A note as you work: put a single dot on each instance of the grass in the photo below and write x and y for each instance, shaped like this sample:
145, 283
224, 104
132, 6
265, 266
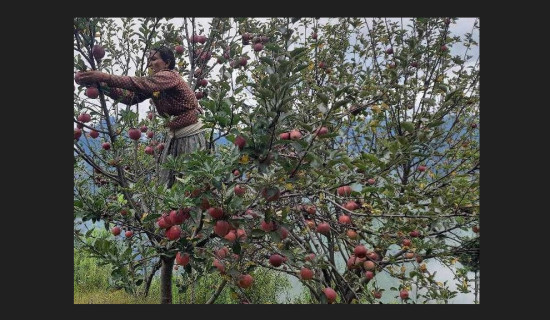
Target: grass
112, 297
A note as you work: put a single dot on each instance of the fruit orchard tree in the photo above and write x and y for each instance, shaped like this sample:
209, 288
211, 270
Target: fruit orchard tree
338, 149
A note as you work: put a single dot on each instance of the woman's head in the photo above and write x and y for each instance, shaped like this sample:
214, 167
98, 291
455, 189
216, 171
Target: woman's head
161, 58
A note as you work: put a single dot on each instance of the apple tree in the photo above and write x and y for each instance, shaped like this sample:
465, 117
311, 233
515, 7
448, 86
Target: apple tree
338, 149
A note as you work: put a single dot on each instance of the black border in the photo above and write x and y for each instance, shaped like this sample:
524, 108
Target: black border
56, 114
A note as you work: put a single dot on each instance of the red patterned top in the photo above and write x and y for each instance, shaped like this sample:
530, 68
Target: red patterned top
171, 95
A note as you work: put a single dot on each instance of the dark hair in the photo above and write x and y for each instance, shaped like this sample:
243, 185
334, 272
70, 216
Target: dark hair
166, 54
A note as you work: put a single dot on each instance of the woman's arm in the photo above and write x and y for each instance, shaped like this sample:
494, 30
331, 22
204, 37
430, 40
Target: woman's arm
159, 81
123, 96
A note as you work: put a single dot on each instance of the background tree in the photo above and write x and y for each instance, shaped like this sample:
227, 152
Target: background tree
353, 150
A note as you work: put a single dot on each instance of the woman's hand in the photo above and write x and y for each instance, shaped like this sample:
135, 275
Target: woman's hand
90, 77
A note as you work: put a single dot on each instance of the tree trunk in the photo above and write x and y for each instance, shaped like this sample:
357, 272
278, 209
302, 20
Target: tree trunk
166, 279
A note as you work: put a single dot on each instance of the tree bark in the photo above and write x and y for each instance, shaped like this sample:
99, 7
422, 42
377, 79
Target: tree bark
166, 279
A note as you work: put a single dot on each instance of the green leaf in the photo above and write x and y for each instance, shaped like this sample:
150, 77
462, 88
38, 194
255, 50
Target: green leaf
236, 247
300, 68
323, 97
408, 126
265, 93
267, 60
151, 216
257, 233
297, 51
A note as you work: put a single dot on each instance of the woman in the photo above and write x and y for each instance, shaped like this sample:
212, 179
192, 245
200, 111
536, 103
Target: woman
171, 96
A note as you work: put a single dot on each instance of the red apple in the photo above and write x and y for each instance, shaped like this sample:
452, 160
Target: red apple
222, 252
360, 251
389, 50
314, 36
243, 61
221, 268
179, 49
352, 234
409, 255
239, 190
221, 228
306, 274
134, 134
414, 64
330, 294
310, 209
179, 216
351, 205
94, 134
285, 136
473, 125
295, 135
149, 150
240, 142
407, 242
354, 262
275, 260
197, 73
143, 128
371, 181
204, 204
267, 227
421, 168
115, 230
98, 52
77, 133
245, 281
310, 223
369, 275
150, 115
182, 258
106, 145
344, 219
241, 234
173, 233
150, 134
84, 117
414, 233
373, 256
203, 82
199, 95
321, 131
369, 265
160, 147
129, 234
475, 229
444, 48
123, 212
377, 294
310, 256
215, 212
231, 236
258, 47
283, 233
92, 92
323, 228
404, 294
344, 191
322, 65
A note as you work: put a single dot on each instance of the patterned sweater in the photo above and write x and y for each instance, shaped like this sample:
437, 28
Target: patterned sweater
171, 95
